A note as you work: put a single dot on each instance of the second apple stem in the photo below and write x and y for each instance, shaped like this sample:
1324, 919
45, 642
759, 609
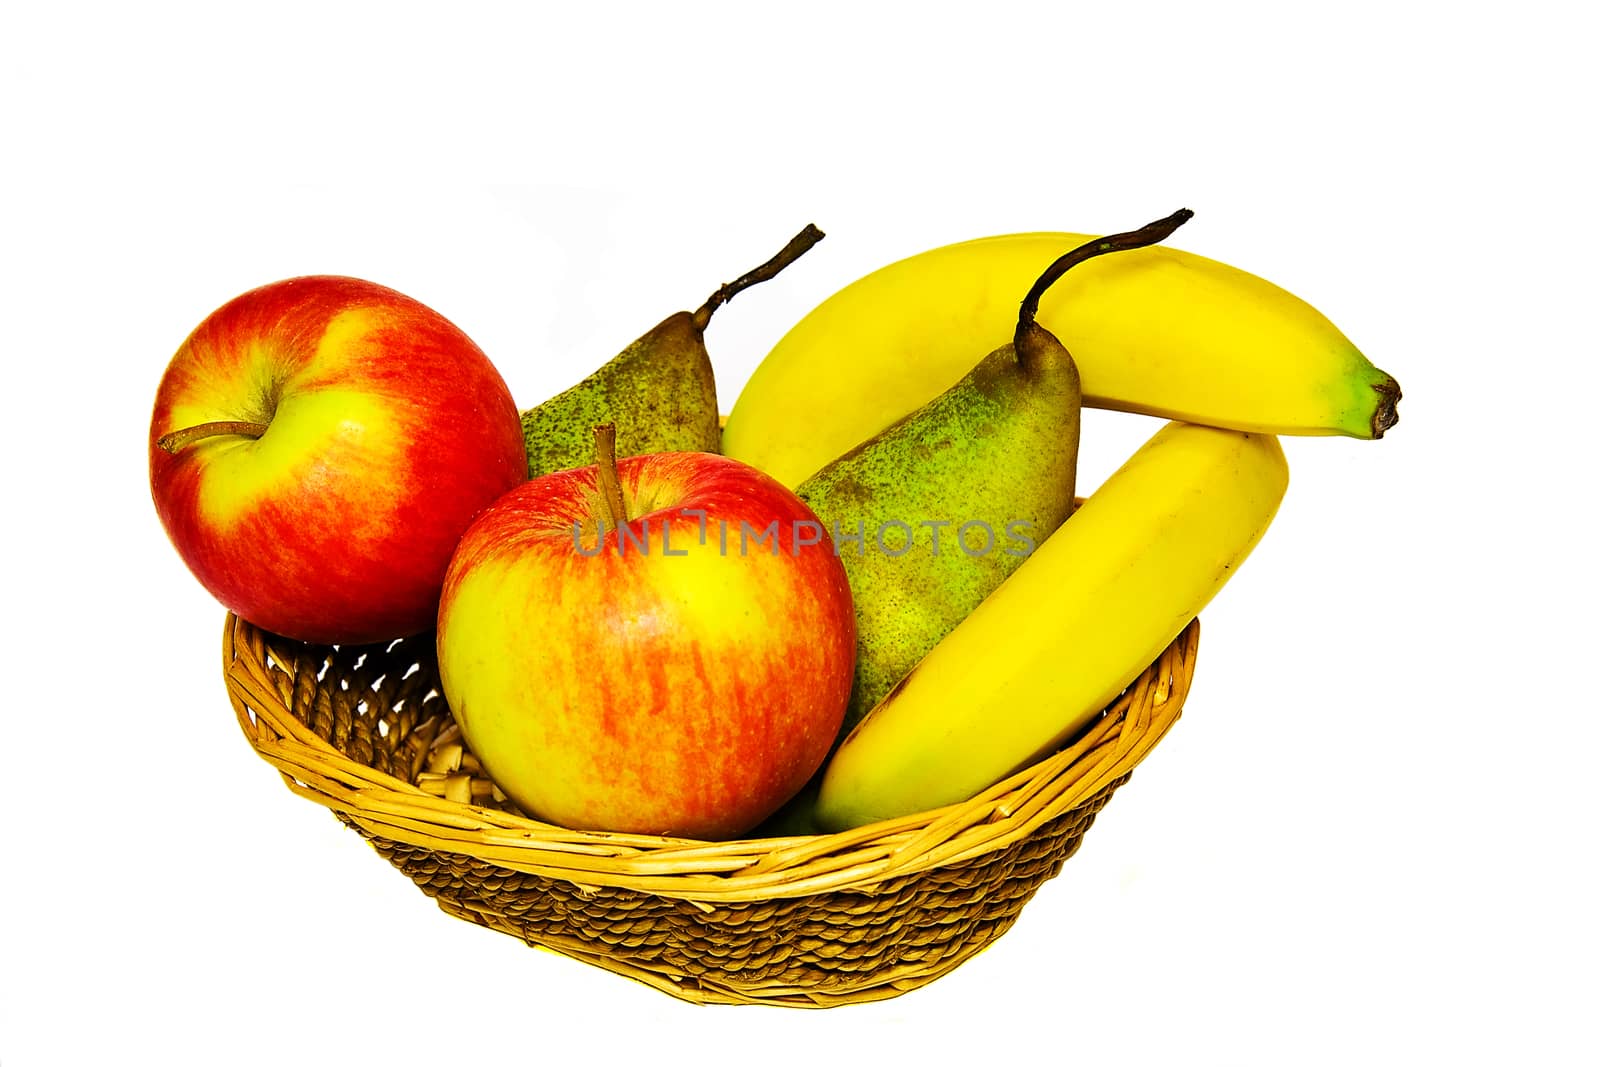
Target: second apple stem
605, 446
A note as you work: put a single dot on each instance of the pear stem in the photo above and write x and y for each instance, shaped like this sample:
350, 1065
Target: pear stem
798, 246
1155, 232
605, 447
187, 436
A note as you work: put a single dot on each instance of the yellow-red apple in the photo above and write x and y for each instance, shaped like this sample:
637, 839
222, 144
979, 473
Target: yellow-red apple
317, 447
680, 672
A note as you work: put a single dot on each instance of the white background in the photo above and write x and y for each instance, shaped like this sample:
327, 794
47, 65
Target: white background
1369, 839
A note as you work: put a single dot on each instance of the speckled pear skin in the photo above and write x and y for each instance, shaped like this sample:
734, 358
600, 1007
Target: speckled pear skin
998, 450
660, 393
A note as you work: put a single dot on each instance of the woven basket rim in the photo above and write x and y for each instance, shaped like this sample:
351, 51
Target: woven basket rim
704, 873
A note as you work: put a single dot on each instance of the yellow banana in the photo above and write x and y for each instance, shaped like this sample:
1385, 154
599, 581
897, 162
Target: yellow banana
1091, 608
1155, 330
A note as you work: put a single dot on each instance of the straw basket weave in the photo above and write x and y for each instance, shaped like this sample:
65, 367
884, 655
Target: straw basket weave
805, 921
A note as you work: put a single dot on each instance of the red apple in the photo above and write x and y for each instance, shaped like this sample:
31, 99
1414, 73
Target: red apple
317, 447
684, 674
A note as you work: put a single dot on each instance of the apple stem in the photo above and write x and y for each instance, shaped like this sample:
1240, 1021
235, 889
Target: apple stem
798, 246
189, 435
605, 446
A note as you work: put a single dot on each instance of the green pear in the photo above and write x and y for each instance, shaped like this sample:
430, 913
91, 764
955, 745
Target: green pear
932, 514
660, 391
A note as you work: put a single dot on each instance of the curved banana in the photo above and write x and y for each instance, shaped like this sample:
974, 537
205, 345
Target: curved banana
1155, 330
1082, 616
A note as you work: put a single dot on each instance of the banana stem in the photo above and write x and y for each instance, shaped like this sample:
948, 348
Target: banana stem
1155, 232
605, 446
798, 246
187, 436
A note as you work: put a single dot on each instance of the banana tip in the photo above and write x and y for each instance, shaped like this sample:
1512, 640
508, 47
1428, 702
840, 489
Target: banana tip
1386, 415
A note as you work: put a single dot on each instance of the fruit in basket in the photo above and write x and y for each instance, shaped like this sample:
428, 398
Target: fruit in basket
933, 513
662, 644
317, 447
1157, 331
1080, 619
660, 392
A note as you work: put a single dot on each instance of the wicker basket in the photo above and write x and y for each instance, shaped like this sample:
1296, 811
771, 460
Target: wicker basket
804, 921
